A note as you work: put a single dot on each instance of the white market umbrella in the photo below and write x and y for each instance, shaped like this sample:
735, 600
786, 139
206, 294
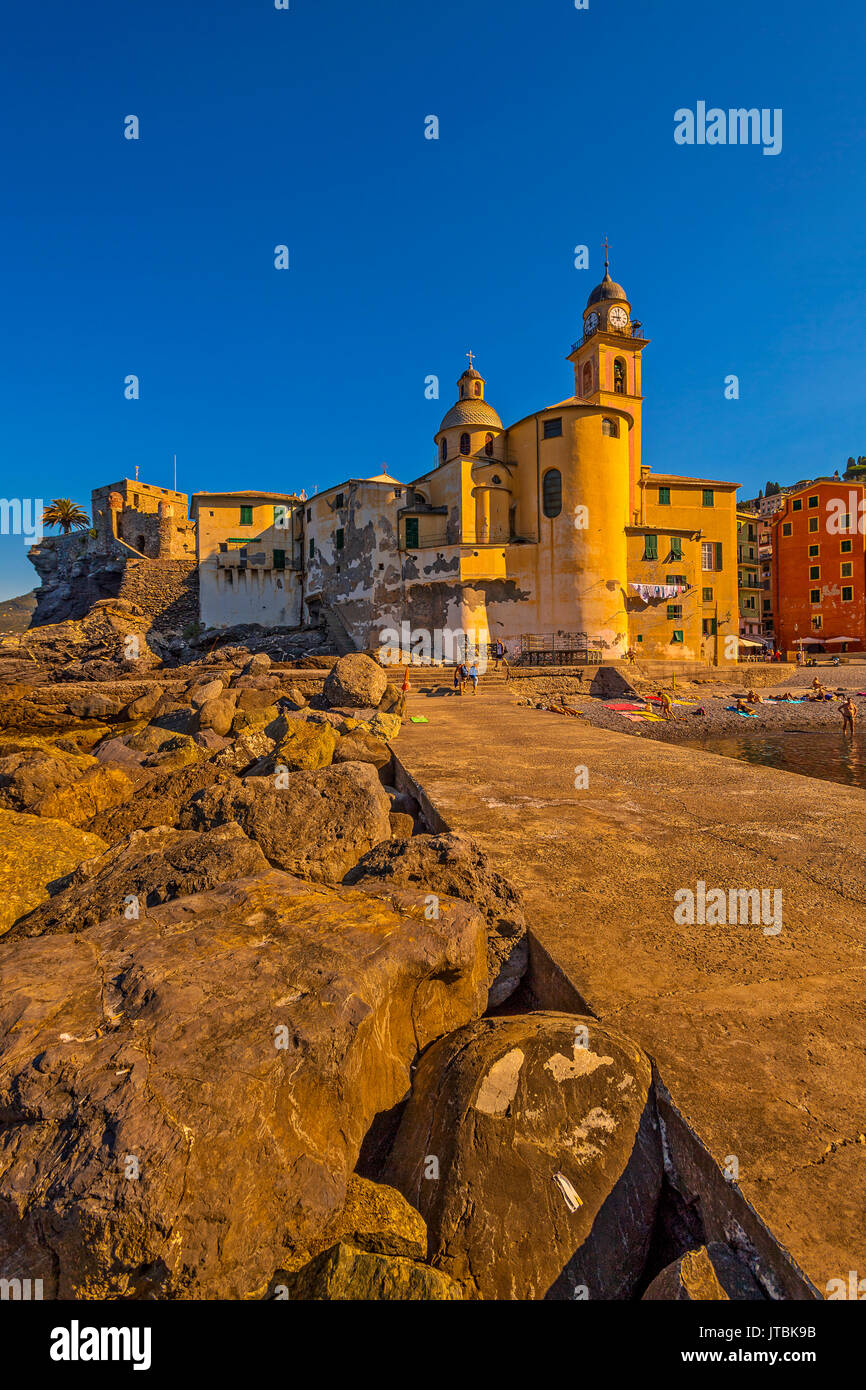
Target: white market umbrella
828, 640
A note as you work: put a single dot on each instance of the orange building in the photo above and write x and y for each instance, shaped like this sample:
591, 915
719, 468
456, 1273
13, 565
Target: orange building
819, 567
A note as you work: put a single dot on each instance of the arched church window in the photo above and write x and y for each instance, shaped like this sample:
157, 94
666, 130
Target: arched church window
443, 450
619, 377
464, 444
488, 446
610, 427
478, 388
551, 492
587, 379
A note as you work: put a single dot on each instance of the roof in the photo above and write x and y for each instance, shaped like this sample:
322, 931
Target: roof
265, 496
680, 479
608, 289
474, 411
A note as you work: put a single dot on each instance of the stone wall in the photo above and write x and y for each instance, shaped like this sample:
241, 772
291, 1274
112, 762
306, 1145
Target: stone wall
167, 590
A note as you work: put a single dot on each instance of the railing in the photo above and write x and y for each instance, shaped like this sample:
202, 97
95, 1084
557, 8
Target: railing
428, 540
560, 649
631, 330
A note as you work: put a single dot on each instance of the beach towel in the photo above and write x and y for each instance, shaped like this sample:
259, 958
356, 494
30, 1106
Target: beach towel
621, 705
419, 719
657, 717
746, 713
626, 714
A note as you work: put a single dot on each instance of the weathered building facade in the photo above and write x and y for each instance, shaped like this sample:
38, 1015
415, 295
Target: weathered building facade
249, 548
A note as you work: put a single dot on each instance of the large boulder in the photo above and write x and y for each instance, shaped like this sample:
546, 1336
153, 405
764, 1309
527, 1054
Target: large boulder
347, 1273
145, 704
34, 854
301, 746
28, 776
355, 680
457, 866
531, 1147
201, 694
359, 746
709, 1273
185, 1095
100, 789
147, 868
157, 801
313, 824
218, 713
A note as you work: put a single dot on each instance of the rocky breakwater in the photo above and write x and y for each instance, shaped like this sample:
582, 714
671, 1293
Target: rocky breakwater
246, 1048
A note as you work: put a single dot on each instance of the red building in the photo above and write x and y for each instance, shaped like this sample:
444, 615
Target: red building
819, 566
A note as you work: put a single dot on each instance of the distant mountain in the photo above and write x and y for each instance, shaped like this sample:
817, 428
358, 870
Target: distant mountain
15, 613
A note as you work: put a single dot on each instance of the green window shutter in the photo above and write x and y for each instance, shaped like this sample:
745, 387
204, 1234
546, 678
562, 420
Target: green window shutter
279, 559
312, 548
246, 516
676, 547
340, 537
677, 637
651, 547
411, 532
707, 499
664, 497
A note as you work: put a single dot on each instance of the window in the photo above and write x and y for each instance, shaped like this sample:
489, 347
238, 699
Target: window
797, 504
651, 547
610, 427
818, 622
813, 523
664, 497
279, 559
619, 376
675, 611
587, 379
478, 388
135, 499
338, 500
443, 450
814, 550
813, 502
707, 595
552, 428
709, 627
750, 602
488, 445
640, 637
551, 492
676, 636
846, 547
247, 515
711, 555
787, 528
312, 548
676, 547
340, 537
411, 532
309, 514
707, 497
814, 595
814, 571
675, 579
464, 443
847, 570
847, 593
766, 605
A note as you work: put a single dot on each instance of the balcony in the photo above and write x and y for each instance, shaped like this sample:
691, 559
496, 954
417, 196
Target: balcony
631, 330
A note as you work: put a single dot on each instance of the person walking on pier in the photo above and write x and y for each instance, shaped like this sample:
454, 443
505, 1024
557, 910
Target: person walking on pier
461, 675
473, 676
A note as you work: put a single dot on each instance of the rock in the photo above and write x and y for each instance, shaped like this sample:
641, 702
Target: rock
711, 1272
318, 826
26, 778
157, 801
176, 750
385, 725
217, 714
34, 854
346, 1272
149, 866
402, 826
238, 1045
100, 789
457, 866
253, 700
549, 1156
392, 701
201, 694
145, 705
355, 680
258, 665
302, 746
245, 752
373, 1217
254, 718
358, 746
295, 697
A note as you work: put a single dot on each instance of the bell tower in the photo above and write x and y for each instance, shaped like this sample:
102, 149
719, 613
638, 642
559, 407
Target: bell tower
607, 359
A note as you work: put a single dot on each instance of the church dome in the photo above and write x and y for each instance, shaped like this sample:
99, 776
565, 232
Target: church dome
608, 289
471, 412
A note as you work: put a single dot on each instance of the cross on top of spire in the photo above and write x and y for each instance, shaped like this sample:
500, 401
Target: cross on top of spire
605, 246
471, 355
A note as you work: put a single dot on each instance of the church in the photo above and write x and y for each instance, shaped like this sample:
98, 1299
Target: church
550, 527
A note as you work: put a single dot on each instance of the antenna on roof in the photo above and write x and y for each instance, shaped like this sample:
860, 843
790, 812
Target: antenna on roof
175, 472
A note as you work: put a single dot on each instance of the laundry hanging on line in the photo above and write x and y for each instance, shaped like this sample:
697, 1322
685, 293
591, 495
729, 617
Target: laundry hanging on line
648, 591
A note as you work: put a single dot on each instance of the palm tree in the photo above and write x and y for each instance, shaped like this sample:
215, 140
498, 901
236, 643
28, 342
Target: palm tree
66, 514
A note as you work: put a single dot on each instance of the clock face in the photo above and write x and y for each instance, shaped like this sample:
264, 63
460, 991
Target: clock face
618, 317
591, 323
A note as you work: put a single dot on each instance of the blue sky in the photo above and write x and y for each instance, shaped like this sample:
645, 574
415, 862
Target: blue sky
306, 127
